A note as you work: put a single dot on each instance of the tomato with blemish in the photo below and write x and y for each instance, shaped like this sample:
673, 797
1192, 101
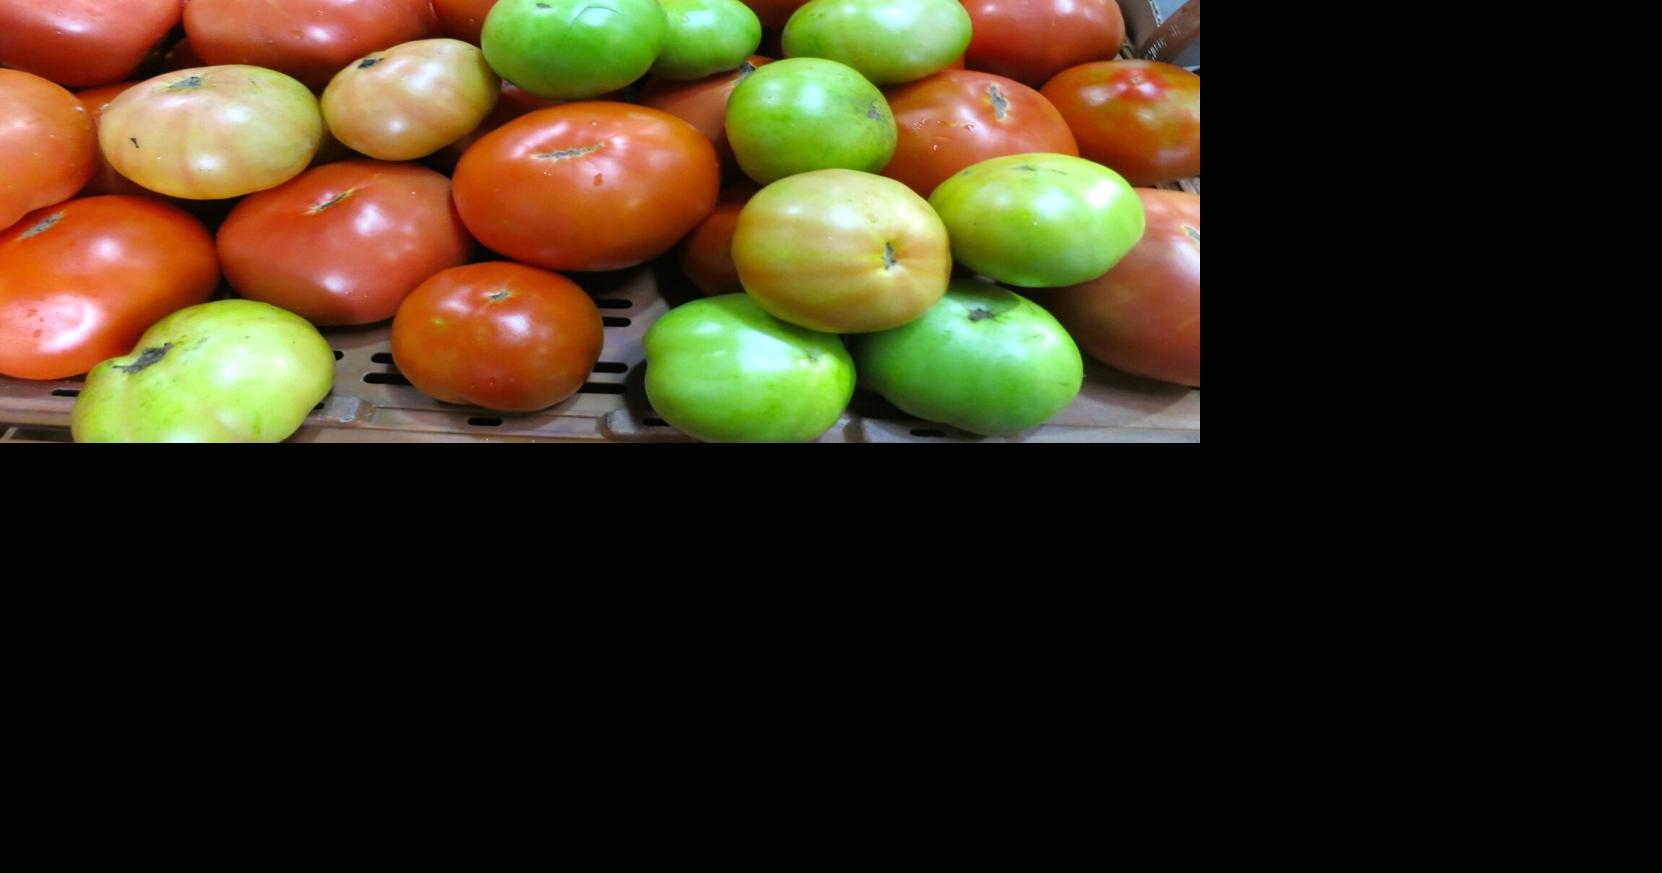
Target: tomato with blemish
503, 336
344, 243
83, 43
48, 145
81, 281
588, 186
957, 118
1032, 40
1139, 118
311, 40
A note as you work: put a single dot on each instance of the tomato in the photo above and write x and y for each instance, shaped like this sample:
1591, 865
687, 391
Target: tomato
1039, 220
83, 43
182, 56
774, 13
514, 102
1144, 315
588, 186
212, 133
706, 37
81, 281
842, 251
1032, 40
707, 253
345, 243
804, 114
48, 141
463, 19
1141, 118
574, 49
411, 100
311, 40
888, 41
503, 336
956, 118
703, 104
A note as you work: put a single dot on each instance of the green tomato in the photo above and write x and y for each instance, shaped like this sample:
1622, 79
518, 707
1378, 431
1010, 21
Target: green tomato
984, 360
1039, 220
232, 371
722, 370
573, 49
888, 41
706, 37
806, 114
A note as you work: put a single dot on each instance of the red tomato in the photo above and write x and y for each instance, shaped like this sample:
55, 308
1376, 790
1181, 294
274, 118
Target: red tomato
588, 186
956, 118
774, 13
503, 336
311, 40
83, 43
81, 281
703, 104
48, 141
182, 56
1144, 315
463, 19
1032, 40
1139, 118
344, 243
707, 253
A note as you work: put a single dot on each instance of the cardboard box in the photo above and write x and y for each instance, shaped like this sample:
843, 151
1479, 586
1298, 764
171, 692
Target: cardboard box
1164, 30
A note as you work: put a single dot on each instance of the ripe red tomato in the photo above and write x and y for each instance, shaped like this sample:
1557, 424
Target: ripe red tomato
48, 141
1138, 118
311, 40
503, 336
956, 118
588, 186
1144, 315
463, 19
83, 43
81, 281
344, 243
703, 104
1032, 40
707, 252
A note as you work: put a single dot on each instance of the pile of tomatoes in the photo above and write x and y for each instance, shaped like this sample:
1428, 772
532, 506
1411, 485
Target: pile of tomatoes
856, 185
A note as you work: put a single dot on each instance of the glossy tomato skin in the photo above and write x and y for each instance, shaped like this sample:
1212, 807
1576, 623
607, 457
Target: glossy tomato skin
1139, 118
106, 181
344, 243
463, 19
83, 43
574, 49
81, 281
887, 41
1144, 315
212, 133
587, 186
842, 251
503, 336
1032, 40
311, 40
703, 104
48, 141
707, 253
957, 118
804, 114
411, 100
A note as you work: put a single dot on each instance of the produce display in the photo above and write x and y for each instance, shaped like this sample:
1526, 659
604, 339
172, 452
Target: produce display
198, 194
